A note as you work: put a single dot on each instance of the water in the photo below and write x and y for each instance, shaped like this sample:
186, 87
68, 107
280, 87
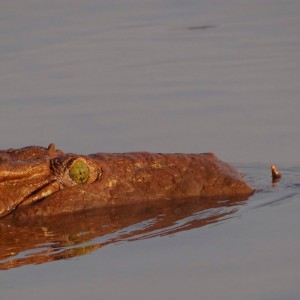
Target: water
167, 76
96, 76
214, 249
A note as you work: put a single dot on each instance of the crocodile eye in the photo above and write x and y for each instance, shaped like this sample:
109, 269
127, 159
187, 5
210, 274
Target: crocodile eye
79, 171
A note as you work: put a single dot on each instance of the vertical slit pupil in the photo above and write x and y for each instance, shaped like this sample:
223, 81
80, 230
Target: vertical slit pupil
79, 172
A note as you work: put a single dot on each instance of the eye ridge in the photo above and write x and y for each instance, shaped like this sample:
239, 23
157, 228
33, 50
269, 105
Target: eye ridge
70, 171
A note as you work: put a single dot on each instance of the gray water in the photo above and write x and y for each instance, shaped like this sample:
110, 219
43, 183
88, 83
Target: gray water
166, 76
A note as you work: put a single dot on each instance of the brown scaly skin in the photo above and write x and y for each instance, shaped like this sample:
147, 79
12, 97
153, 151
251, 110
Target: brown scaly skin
52, 182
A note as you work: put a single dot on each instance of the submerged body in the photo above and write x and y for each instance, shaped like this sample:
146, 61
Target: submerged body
52, 182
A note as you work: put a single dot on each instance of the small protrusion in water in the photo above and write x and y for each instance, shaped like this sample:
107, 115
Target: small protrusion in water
276, 175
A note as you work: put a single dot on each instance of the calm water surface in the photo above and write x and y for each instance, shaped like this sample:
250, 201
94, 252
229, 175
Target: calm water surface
189, 249
167, 76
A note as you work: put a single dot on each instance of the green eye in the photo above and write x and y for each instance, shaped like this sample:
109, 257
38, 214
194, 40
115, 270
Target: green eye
79, 172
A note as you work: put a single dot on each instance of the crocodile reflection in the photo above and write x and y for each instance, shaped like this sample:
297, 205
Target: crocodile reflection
26, 241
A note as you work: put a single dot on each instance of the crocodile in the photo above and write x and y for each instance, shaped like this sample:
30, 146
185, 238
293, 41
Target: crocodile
51, 182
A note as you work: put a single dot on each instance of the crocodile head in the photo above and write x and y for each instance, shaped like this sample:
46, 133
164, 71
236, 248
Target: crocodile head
68, 182
33, 173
